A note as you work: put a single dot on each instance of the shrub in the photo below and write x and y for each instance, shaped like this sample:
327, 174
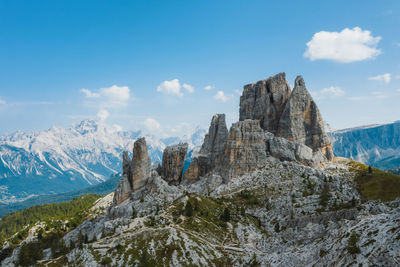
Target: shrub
188, 209
352, 246
226, 215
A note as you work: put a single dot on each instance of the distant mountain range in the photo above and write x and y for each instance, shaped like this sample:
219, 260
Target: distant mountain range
60, 160
377, 145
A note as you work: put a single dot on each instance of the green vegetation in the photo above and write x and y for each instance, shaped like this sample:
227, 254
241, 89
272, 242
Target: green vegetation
352, 246
53, 214
376, 184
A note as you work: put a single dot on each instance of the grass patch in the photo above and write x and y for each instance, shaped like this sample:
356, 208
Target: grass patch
378, 185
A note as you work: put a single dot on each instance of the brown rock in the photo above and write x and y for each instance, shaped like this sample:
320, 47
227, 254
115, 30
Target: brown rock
172, 163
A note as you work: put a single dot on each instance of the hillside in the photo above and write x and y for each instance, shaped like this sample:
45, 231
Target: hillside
99, 189
265, 192
374, 145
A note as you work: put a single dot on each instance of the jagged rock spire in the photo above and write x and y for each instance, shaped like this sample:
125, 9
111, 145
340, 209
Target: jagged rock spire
135, 172
301, 121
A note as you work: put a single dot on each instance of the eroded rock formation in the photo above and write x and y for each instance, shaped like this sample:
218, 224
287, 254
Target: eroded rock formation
213, 146
136, 172
172, 163
302, 123
291, 115
265, 101
245, 149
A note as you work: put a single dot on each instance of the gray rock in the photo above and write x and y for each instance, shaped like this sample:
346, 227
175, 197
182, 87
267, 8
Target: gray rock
304, 154
302, 123
123, 190
136, 172
282, 149
140, 168
215, 139
291, 115
245, 149
265, 101
172, 163
212, 148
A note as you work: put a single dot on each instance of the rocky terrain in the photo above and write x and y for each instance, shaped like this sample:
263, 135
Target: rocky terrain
256, 195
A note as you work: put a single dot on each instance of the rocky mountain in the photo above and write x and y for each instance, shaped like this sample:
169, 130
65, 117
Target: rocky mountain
375, 145
253, 198
61, 160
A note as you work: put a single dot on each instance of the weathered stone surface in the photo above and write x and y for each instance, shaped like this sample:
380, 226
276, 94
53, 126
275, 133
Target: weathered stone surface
215, 139
140, 168
136, 172
304, 154
302, 123
245, 149
123, 190
172, 163
212, 148
291, 115
282, 149
265, 101
199, 167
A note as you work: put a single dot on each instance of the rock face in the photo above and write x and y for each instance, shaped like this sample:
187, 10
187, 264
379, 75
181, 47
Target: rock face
265, 101
212, 148
172, 163
291, 115
136, 172
215, 139
245, 149
302, 123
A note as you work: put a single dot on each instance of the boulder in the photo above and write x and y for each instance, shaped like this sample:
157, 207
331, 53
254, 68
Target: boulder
172, 163
282, 149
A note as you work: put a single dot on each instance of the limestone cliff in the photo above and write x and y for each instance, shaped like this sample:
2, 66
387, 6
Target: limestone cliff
212, 148
172, 163
265, 101
301, 121
135, 172
292, 115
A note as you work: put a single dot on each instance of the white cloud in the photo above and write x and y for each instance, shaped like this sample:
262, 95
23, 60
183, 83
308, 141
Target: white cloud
103, 114
347, 46
172, 87
221, 96
116, 93
110, 96
238, 92
383, 77
2, 102
152, 124
398, 90
188, 87
329, 92
89, 94
208, 87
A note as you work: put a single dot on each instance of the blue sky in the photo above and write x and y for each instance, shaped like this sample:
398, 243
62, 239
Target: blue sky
146, 64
